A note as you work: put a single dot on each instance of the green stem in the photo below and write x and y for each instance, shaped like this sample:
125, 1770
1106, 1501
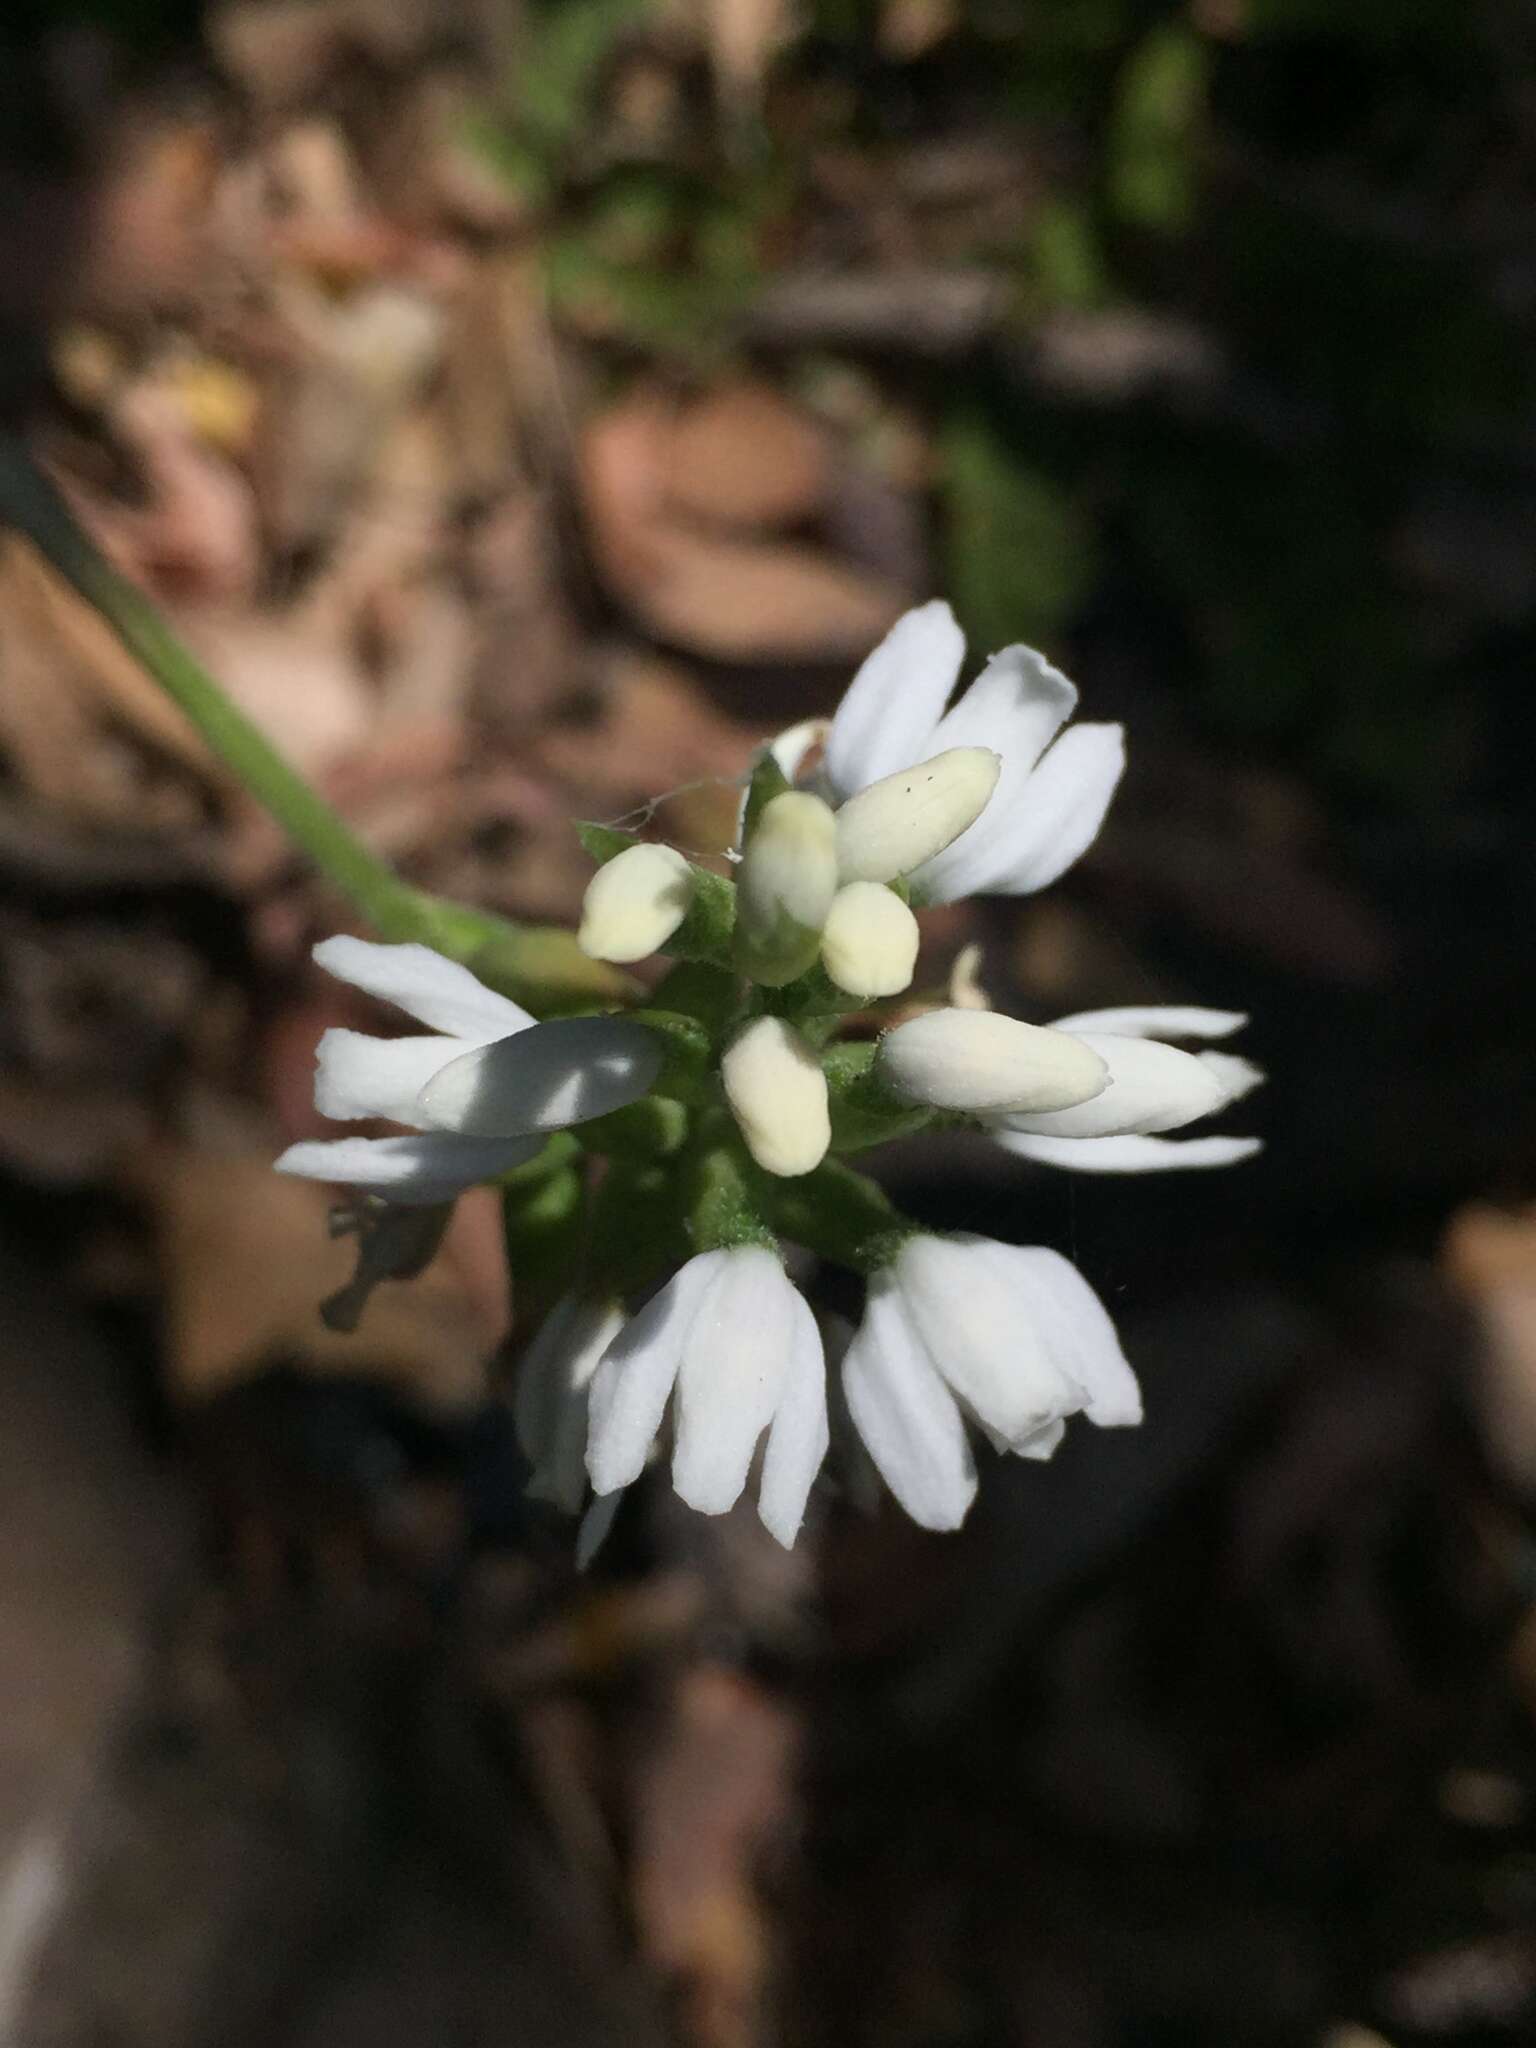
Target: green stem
540, 964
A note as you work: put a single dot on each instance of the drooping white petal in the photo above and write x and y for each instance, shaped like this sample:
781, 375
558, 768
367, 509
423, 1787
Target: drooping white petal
436, 992
636, 1374
1152, 1087
797, 1436
907, 1417
736, 1357
549, 1408
1029, 836
1078, 1333
1016, 705
980, 1061
555, 1074
1128, 1155
1156, 1020
426, 1166
894, 702
970, 1300
1043, 1444
357, 1075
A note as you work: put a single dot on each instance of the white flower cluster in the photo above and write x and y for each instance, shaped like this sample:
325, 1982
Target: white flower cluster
896, 803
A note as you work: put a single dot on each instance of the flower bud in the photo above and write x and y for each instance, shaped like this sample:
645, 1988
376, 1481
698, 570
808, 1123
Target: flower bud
896, 824
778, 1095
784, 887
979, 1061
635, 903
869, 941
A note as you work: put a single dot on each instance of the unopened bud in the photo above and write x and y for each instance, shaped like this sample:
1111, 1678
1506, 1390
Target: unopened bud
899, 822
635, 903
784, 887
979, 1061
869, 942
778, 1095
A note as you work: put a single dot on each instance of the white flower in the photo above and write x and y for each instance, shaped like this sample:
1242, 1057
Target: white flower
1152, 1087
1050, 799
778, 1096
550, 1404
961, 1329
634, 903
869, 942
978, 1061
479, 1093
734, 1347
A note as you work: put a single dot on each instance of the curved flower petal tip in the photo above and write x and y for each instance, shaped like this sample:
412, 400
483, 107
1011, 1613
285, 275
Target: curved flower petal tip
422, 1167
1156, 1020
564, 1072
360, 1076
435, 991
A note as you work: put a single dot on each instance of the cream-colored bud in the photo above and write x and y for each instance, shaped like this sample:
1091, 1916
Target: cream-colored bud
979, 1061
899, 822
869, 942
778, 1095
784, 887
635, 903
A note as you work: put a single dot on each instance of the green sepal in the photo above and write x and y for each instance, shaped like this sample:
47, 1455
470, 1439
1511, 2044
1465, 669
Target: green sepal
840, 1215
695, 989
864, 1110
655, 1127
768, 781
725, 1195
543, 1226
705, 933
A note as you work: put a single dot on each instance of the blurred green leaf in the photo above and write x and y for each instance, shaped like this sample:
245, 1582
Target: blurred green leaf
1152, 170
1019, 555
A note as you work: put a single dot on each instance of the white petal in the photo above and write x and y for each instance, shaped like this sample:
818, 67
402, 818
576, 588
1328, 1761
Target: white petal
426, 1166
736, 1357
1152, 1087
792, 746
1077, 1330
797, 1437
1023, 841
1128, 1155
1233, 1076
635, 1377
1043, 1444
908, 1418
892, 705
971, 1304
981, 1061
357, 1075
549, 1405
1016, 705
436, 992
1156, 1020
559, 1073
